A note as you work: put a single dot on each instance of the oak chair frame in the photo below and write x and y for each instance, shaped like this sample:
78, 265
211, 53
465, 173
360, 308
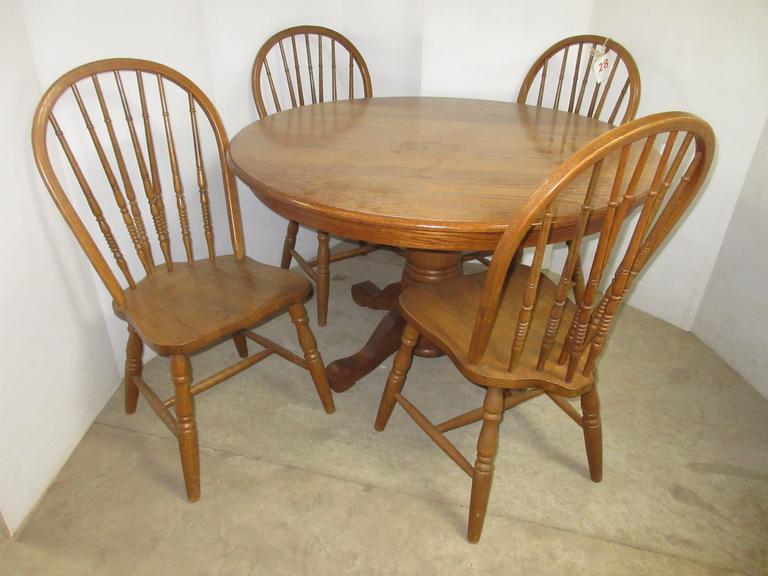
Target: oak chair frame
318, 268
514, 372
579, 82
126, 301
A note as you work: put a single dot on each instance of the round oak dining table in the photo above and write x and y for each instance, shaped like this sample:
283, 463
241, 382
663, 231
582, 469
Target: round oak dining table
433, 176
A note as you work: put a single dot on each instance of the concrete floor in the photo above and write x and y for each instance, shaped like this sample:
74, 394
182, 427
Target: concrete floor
288, 489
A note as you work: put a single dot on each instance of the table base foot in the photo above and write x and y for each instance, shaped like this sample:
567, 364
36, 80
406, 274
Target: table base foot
422, 267
368, 295
385, 340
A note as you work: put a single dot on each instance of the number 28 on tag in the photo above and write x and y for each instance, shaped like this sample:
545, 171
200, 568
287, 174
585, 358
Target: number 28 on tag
600, 63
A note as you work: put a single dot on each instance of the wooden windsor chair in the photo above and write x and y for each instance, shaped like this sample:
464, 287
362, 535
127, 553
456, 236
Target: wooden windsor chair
577, 91
294, 83
513, 328
182, 305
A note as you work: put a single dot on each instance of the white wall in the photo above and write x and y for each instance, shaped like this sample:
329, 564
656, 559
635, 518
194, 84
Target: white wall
733, 313
705, 58
484, 49
57, 366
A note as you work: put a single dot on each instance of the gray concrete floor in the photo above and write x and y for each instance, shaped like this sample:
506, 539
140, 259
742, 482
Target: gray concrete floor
288, 489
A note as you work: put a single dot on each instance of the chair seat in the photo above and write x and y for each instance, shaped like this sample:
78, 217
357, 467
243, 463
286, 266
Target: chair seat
445, 312
196, 305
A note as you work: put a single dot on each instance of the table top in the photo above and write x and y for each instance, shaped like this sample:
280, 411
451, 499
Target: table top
439, 173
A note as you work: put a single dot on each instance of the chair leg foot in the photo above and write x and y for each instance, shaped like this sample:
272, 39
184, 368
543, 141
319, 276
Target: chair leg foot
323, 277
241, 344
133, 366
593, 433
312, 356
397, 375
289, 244
186, 427
487, 445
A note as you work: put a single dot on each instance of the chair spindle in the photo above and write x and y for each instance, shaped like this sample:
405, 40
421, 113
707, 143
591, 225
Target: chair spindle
575, 83
351, 77
311, 69
297, 71
321, 80
202, 182
178, 187
275, 99
529, 296
541, 85
619, 102
593, 99
333, 67
563, 64
287, 74
584, 78
628, 198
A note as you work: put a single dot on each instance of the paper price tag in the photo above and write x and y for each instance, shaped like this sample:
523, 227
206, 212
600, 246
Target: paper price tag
601, 64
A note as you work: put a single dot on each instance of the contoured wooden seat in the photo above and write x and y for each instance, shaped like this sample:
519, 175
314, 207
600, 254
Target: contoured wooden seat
133, 137
451, 329
184, 311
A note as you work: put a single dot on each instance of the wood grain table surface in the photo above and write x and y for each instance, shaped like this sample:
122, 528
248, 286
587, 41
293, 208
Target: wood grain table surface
431, 175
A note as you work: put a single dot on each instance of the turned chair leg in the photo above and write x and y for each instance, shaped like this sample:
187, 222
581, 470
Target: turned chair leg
312, 356
186, 428
241, 344
487, 445
397, 375
133, 365
289, 244
323, 279
593, 433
